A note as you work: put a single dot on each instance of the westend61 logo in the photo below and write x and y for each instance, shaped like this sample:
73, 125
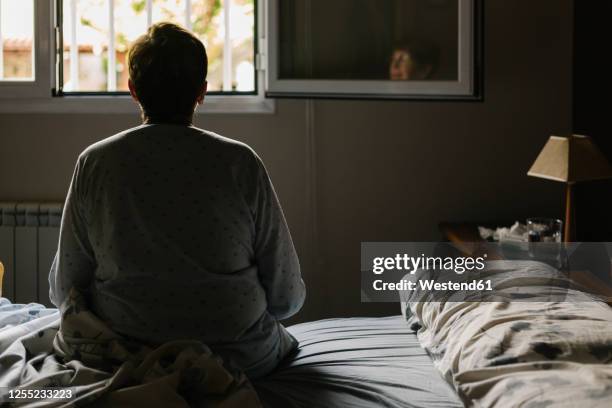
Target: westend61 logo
484, 271
391, 268
411, 264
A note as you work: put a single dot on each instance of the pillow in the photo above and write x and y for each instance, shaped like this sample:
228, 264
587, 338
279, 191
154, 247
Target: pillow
536, 349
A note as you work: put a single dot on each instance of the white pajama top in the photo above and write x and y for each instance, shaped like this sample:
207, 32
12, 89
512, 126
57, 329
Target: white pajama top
173, 232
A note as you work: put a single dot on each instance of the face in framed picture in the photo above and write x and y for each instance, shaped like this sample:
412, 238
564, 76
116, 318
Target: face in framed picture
416, 62
388, 49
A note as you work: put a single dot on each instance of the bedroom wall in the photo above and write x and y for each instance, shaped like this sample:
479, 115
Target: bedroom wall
592, 89
352, 171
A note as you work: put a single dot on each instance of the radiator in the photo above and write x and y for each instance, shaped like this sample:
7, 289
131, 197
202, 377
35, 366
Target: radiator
28, 241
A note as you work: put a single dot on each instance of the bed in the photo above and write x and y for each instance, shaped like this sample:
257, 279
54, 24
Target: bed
353, 362
357, 362
533, 352
539, 340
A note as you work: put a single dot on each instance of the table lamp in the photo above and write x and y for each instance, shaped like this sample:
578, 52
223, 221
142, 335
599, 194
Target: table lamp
570, 160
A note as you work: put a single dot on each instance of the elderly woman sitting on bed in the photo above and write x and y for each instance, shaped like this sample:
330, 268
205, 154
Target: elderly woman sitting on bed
173, 232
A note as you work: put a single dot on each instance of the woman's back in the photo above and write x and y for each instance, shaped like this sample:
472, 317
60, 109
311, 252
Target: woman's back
176, 233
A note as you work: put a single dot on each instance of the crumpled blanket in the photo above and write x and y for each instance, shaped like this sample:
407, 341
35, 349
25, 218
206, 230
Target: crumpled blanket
528, 353
105, 369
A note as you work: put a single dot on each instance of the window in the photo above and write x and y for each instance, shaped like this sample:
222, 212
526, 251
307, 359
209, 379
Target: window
70, 55
374, 48
23, 51
16, 40
96, 35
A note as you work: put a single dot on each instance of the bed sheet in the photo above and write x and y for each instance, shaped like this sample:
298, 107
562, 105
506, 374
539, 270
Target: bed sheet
347, 362
357, 362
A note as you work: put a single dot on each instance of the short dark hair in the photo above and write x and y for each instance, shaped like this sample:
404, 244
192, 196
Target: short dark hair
168, 67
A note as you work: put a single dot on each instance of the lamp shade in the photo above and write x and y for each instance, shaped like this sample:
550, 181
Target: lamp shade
571, 159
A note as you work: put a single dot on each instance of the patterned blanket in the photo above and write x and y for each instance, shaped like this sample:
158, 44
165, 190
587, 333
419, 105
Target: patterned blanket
525, 353
102, 369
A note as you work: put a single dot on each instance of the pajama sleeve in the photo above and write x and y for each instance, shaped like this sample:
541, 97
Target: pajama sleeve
74, 262
275, 255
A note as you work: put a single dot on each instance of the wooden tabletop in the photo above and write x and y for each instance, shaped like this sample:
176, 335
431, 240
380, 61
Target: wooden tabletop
466, 237
458, 232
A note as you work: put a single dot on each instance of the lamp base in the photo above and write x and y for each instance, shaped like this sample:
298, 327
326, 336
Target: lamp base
569, 229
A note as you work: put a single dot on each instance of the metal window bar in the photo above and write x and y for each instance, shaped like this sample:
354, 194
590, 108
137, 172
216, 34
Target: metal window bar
1, 48
227, 47
112, 56
149, 13
188, 14
74, 47
59, 48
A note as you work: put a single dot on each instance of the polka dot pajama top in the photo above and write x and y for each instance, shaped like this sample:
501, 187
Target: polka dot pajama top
174, 233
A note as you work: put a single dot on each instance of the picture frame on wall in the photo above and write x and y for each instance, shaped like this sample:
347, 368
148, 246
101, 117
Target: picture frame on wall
347, 49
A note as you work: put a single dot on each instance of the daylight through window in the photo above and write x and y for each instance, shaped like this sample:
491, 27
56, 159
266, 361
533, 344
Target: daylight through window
97, 35
16, 40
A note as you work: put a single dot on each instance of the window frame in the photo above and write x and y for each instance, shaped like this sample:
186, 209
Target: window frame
40, 85
40, 95
468, 86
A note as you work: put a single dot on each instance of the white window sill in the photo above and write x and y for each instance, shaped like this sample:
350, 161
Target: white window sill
125, 105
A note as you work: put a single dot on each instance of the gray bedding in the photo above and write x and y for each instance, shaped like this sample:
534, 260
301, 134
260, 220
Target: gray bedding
551, 347
357, 362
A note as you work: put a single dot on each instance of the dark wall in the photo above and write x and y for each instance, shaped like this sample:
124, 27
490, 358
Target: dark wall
592, 108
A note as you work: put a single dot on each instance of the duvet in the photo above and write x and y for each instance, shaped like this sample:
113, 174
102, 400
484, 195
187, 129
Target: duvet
96, 367
537, 352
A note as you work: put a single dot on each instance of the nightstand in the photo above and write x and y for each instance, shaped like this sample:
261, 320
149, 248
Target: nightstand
465, 235
466, 238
